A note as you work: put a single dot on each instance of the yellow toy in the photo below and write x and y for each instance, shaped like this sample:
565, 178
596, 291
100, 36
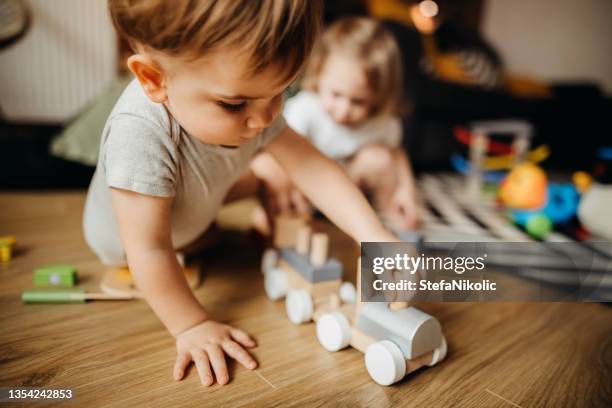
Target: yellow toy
6, 248
120, 282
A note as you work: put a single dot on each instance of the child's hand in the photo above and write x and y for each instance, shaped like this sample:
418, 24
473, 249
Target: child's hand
280, 198
206, 344
279, 195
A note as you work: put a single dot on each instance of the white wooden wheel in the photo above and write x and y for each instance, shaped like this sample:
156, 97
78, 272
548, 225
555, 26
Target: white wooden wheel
269, 260
348, 293
276, 283
439, 353
333, 331
299, 306
385, 362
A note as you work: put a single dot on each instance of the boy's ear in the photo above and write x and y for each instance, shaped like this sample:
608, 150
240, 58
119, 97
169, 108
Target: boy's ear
150, 76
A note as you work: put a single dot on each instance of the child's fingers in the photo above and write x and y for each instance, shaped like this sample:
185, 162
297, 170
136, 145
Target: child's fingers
270, 209
239, 354
202, 364
217, 360
182, 360
300, 203
242, 337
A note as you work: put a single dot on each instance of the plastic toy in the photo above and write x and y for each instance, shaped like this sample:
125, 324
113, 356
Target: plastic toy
55, 275
504, 153
67, 296
395, 340
299, 269
6, 248
491, 169
535, 204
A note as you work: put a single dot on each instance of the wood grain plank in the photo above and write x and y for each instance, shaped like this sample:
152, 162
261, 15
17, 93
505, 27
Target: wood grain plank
118, 354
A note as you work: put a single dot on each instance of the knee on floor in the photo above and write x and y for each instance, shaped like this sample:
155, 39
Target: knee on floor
375, 158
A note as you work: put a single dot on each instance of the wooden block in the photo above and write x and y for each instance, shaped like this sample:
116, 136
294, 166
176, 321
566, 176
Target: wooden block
360, 340
319, 248
286, 229
329, 303
398, 305
334, 301
303, 240
319, 290
416, 363
296, 280
55, 276
323, 289
332, 304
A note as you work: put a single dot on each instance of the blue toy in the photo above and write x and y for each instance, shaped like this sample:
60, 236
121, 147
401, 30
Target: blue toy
561, 206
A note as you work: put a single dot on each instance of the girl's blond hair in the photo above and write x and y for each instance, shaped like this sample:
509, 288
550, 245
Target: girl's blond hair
269, 31
367, 41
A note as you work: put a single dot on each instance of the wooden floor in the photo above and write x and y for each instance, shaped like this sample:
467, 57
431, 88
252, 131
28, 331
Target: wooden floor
118, 353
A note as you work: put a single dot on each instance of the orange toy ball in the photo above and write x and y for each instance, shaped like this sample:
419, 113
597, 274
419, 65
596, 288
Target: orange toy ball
524, 187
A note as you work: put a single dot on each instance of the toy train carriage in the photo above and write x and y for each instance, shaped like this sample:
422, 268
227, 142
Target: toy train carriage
395, 341
311, 282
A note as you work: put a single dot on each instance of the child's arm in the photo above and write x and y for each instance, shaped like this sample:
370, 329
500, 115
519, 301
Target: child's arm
328, 187
404, 198
144, 227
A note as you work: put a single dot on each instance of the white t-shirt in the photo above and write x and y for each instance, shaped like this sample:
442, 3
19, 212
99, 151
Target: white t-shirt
305, 114
143, 149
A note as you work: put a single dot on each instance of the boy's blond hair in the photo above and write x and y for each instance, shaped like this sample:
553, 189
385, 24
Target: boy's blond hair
367, 41
269, 31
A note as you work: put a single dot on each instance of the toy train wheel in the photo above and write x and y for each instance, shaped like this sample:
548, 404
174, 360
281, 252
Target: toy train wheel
439, 353
269, 260
299, 306
385, 362
333, 331
348, 293
276, 283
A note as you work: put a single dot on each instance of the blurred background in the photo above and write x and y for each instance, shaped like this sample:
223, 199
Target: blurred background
547, 62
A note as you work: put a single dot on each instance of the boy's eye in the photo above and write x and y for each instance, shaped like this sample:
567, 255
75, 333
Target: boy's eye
232, 107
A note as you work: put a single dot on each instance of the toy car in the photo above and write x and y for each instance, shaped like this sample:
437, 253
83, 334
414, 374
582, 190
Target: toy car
395, 341
298, 268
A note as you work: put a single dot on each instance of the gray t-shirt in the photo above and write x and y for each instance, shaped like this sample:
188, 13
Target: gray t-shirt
143, 149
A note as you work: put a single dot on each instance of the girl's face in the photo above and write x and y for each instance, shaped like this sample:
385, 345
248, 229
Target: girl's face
344, 90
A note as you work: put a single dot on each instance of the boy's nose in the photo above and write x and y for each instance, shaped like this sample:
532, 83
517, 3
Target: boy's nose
260, 120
